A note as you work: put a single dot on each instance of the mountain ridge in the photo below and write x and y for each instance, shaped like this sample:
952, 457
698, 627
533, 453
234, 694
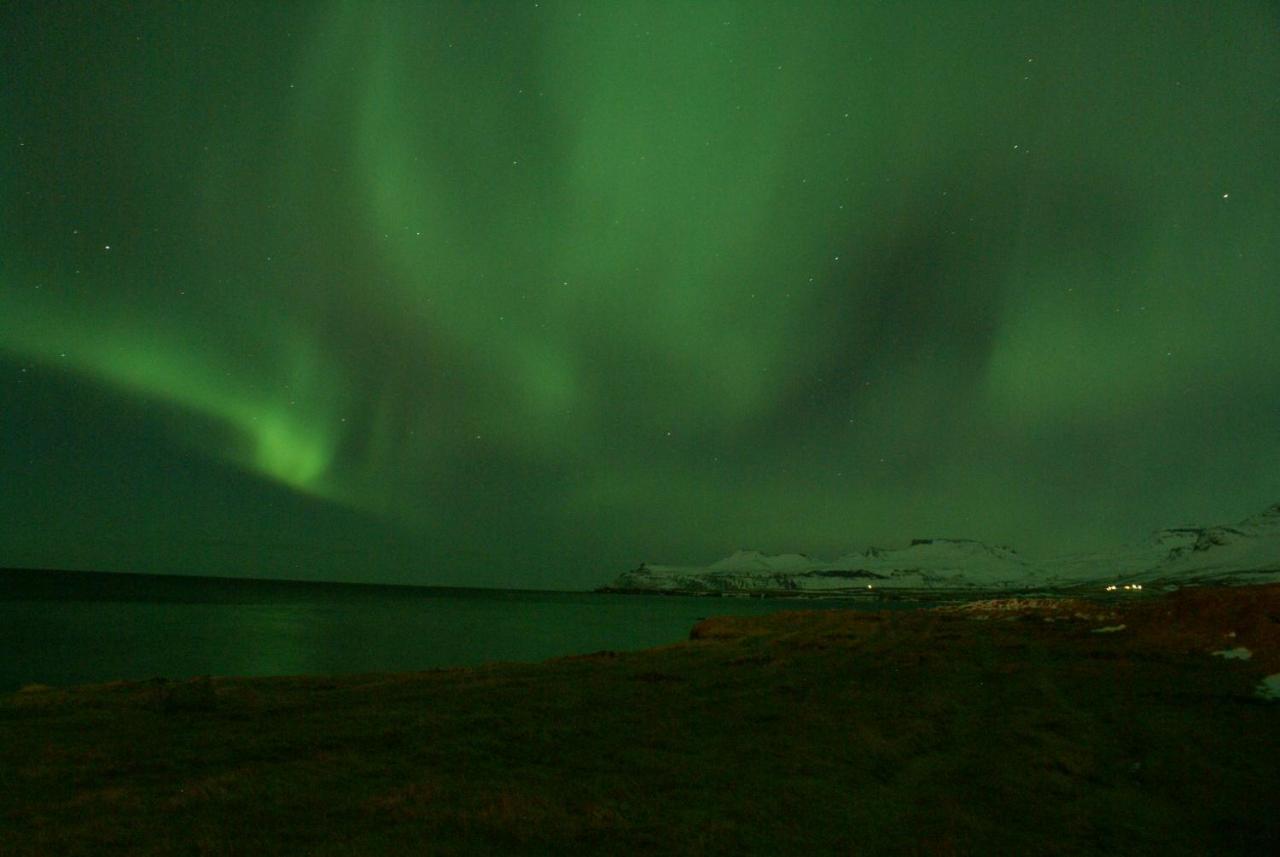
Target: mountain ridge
1241, 553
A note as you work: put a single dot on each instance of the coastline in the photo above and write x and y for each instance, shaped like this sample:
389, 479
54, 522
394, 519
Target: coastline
1016, 725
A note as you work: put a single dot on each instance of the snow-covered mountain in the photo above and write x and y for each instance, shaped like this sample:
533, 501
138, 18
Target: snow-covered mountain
1247, 552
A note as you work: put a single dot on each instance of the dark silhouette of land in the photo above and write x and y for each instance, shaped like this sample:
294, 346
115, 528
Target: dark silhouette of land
1065, 727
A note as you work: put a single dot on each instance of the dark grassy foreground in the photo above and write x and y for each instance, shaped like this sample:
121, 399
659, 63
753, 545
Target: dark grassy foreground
978, 731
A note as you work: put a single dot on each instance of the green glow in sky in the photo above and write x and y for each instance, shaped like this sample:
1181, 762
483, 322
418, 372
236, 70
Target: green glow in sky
525, 293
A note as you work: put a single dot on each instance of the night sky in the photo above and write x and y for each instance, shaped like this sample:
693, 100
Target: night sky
521, 294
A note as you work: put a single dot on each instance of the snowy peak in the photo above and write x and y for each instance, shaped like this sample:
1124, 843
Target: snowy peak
1266, 521
967, 548
1173, 538
1244, 553
1176, 545
753, 560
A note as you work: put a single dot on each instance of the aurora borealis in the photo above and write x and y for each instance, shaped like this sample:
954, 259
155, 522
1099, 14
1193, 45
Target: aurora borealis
525, 293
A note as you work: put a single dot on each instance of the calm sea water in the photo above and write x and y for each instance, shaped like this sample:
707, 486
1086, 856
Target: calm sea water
63, 628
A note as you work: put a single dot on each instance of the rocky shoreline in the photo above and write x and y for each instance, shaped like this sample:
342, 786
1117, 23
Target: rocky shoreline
1010, 725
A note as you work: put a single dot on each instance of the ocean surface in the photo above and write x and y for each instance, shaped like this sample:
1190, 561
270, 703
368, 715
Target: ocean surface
61, 628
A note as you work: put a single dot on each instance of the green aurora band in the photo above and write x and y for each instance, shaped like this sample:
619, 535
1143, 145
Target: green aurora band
521, 294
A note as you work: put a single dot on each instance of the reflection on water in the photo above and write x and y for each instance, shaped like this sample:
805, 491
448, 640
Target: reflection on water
60, 628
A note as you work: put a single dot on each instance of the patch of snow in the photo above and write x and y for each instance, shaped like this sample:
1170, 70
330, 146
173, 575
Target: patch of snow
755, 561
1005, 605
1247, 552
1239, 653
1109, 629
1269, 687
